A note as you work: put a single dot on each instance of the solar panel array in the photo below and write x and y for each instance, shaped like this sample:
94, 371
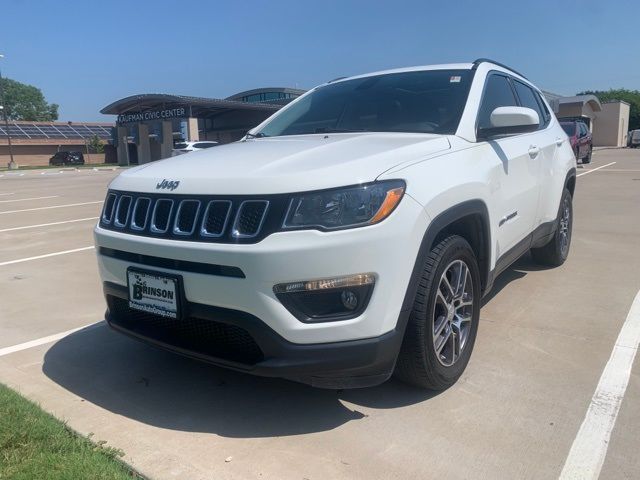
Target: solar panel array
55, 131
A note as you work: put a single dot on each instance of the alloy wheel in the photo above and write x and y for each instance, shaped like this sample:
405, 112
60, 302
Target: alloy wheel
565, 220
453, 312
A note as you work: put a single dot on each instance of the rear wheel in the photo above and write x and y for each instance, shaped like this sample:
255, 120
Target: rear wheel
587, 159
443, 323
556, 251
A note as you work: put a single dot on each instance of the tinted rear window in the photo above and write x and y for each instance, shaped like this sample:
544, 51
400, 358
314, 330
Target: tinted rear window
528, 99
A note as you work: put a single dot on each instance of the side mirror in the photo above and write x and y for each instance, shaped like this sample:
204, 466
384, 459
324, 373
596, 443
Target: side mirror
510, 121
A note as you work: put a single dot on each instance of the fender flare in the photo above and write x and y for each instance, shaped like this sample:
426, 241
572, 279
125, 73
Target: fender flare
436, 226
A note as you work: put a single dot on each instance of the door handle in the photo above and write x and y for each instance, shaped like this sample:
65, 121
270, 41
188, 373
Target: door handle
534, 151
559, 141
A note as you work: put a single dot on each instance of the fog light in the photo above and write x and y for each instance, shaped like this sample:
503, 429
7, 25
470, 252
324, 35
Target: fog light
349, 299
326, 300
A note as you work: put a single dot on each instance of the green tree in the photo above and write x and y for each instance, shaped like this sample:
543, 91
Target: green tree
26, 102
632, 97
96, 145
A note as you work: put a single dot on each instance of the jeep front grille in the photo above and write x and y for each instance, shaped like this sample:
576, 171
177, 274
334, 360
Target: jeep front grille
250, 218
216, 217
140, 213
122, 211
186, 216
205, 218
161, 215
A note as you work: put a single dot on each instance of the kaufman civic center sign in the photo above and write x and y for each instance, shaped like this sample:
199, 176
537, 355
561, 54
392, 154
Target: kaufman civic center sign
150, 115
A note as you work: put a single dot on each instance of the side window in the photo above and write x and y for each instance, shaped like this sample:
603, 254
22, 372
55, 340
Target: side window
497, 93
528, 99
545, 110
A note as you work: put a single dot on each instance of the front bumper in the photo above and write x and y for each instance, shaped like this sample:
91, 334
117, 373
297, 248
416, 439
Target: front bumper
388, 250
354, 352
242, 342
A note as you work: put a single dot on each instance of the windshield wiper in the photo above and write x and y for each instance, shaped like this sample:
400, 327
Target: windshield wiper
256, 135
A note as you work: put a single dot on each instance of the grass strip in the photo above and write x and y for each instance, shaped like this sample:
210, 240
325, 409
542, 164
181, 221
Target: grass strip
35, 445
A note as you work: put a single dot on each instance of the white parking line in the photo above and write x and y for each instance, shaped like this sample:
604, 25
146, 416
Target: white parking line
52, 206
48, 224
594, 169
43, 340
26, 199
3, 194
589, 448
46, 255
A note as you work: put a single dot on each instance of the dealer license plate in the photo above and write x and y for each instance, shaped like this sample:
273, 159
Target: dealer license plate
155, 293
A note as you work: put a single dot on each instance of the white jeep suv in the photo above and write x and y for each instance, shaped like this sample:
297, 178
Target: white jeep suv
351, 235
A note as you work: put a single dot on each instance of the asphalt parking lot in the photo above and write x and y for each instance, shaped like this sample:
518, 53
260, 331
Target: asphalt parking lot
545, 338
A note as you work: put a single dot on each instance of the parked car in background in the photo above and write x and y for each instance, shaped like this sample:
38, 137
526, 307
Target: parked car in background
634, 139
186, 147
580, 138
67, 158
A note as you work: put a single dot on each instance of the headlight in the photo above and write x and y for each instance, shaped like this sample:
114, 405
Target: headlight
344, 207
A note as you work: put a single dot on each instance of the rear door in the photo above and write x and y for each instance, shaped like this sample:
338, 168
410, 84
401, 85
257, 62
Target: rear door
546, 140
517, 173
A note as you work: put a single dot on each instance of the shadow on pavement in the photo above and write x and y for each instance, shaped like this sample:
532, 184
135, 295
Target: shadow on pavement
515, 272
168, 391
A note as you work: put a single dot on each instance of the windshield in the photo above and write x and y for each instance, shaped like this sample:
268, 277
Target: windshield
429, 101
569, 128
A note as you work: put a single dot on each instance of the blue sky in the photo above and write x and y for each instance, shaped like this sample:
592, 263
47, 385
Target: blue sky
86, 54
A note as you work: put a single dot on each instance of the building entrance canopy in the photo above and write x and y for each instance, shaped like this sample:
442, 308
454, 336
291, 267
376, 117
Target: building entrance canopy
148, 124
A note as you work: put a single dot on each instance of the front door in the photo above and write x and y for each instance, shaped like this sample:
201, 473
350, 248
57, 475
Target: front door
517, 163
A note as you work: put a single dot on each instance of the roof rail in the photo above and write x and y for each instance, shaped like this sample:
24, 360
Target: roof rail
488, 60
336, 79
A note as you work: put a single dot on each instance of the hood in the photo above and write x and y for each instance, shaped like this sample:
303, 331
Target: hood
283, 164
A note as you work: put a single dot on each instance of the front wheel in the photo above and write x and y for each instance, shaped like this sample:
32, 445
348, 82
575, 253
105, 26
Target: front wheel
555, 252
444, 320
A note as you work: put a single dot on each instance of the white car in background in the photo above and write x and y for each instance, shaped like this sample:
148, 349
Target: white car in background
351, 235
186, 147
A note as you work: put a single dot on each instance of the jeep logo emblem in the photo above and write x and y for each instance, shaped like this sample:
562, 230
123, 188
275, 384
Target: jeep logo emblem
167, 185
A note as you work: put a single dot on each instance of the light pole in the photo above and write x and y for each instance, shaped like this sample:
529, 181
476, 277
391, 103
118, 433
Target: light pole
12, 165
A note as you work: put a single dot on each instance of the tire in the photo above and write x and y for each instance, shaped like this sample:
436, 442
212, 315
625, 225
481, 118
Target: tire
418, 364
555, 252
587, 158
